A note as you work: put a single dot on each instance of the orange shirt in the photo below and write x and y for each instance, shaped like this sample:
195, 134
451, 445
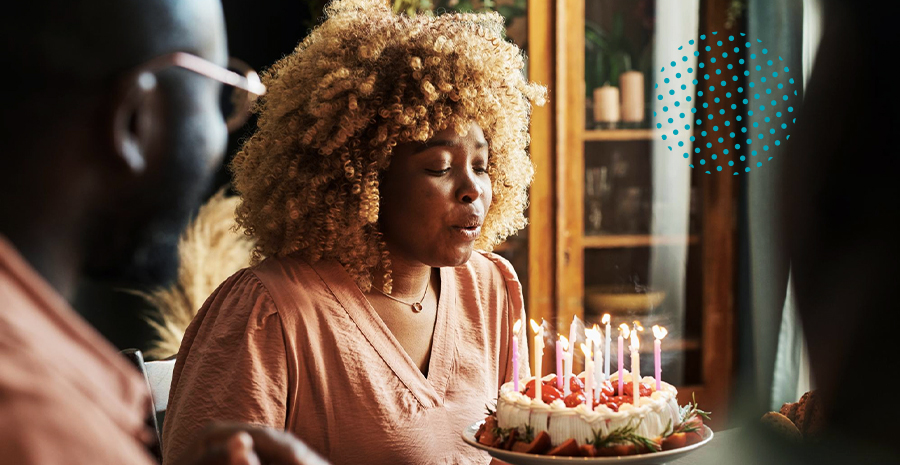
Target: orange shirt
297, 346
66, 395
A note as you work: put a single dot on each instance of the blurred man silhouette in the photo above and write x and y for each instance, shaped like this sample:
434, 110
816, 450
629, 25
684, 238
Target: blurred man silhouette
112, 126
841, 196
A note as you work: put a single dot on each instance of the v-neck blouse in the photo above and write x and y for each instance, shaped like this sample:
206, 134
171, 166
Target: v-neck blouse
297, 346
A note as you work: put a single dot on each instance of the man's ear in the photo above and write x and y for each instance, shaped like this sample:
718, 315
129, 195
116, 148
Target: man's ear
134, 115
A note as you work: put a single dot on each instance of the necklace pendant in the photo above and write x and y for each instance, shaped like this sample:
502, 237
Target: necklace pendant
417, 307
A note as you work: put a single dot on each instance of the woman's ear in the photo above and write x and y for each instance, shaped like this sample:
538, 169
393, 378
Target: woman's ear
134, 114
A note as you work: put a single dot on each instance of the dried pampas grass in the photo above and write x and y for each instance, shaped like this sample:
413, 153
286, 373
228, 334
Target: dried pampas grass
211, 250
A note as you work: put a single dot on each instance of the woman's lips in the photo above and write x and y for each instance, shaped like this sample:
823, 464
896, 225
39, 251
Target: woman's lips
467, 233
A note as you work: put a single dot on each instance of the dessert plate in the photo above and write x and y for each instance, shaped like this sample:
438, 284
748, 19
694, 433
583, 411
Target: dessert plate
519, 458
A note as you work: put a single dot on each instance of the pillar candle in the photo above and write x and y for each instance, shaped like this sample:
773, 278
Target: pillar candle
606, 104
632, 83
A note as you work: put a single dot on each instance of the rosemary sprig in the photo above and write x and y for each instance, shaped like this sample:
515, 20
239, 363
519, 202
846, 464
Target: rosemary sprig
624, 435
502, 433
529, 434
491, 411
688, 413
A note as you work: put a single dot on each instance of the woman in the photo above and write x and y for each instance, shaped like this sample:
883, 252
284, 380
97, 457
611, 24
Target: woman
388, 149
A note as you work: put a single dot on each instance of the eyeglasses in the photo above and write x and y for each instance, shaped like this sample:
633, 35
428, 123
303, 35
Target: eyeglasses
241, 84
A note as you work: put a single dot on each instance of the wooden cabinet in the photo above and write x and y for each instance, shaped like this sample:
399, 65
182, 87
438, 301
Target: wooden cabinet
680, 276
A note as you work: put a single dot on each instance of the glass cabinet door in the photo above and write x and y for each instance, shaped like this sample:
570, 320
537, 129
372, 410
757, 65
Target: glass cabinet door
641, 206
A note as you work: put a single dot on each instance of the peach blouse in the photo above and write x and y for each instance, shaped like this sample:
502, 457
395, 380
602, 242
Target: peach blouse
297, 346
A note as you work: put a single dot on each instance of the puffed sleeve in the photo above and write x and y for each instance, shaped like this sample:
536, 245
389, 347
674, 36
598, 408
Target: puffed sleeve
231, 366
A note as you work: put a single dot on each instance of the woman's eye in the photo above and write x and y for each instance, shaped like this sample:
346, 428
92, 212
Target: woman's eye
438, 172
480, 169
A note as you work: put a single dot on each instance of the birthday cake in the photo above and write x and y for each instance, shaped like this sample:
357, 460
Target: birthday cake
564, 423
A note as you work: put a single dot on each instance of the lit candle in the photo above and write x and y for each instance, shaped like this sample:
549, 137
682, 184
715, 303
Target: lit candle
659, 333
593, 335
573, 338
567, 362
562, 351
559, 361
606, 348
635, 367
588, 376
538, 355
623, 333
515, 354
573, 333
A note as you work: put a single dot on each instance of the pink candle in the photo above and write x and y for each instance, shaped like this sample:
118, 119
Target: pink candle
623, 333
659, 333
559, 361
568, 349
515, 354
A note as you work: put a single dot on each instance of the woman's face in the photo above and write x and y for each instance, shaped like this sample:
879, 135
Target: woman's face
434, 197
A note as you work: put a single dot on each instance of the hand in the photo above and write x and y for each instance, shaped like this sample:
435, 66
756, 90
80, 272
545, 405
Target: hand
231, 444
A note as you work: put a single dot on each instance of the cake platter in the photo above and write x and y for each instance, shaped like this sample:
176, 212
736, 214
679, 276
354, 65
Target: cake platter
519, 458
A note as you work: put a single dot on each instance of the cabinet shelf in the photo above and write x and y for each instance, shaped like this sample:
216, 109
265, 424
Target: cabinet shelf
619, 241
618, 134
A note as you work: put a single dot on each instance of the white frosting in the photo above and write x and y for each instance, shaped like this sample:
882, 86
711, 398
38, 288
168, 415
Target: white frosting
652, 414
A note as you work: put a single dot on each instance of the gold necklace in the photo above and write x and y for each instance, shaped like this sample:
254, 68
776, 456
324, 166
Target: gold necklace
416, 306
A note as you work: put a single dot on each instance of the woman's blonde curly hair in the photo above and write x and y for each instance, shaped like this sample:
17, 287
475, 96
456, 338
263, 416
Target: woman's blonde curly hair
362, 82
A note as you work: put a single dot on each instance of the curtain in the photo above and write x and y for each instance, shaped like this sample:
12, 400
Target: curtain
773, 354
676, 24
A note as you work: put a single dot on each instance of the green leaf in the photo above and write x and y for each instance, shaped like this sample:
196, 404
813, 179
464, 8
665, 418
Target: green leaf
618, 27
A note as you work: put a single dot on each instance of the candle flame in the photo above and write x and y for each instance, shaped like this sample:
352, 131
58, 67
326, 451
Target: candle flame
535, 327
517, 327
659, 332
593, 335
637, 326
586, 349
605, 319
564, 342
624, 330
635, 343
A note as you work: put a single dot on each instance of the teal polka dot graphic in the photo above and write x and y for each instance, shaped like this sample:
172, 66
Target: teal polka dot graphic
769, 105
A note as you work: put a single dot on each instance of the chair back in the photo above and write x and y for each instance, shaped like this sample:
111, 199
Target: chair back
158, 376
